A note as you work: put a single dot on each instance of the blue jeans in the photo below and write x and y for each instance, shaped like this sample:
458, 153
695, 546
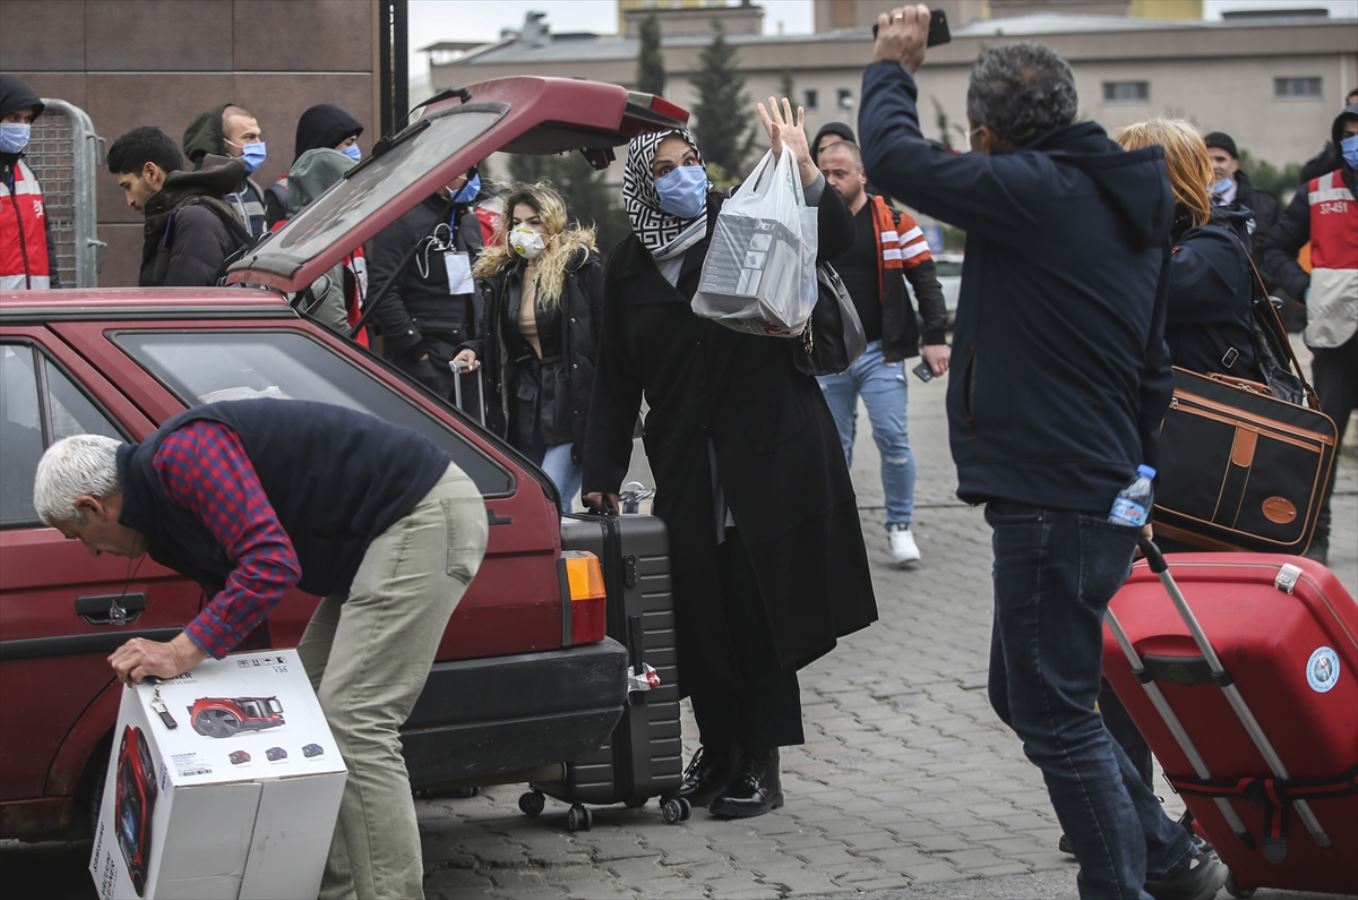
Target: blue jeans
883, 388
565, 473
1055, 572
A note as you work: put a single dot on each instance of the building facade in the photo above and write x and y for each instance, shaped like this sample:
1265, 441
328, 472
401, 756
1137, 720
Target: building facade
162, 62
1275, 85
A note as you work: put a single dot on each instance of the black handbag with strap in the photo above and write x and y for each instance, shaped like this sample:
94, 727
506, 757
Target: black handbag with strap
834, 337
1245, 465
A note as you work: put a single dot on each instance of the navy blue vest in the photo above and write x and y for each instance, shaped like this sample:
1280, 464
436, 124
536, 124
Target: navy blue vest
336, 478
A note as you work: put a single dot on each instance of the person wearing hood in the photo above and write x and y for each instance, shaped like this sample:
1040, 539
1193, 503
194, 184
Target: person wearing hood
310, 176
1208, 322
28, 256
833, 133
190, 230
1059, 382
228, 130
769, 564
1325, 213
542, 284
430, 310
1327, 160
322, 126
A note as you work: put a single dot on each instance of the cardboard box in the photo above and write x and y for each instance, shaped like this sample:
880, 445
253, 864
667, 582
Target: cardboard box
237, 800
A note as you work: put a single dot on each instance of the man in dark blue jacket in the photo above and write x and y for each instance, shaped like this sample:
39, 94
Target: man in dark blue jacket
1060, 379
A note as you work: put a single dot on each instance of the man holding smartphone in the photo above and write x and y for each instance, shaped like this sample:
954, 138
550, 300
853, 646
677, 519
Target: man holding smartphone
888, 250
1064, 379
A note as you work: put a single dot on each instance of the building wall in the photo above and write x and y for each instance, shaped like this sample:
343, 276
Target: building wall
162, 62
1219, 78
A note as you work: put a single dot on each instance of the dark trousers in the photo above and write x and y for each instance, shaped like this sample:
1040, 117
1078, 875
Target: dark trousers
1055, 572
1334, 375
764, 711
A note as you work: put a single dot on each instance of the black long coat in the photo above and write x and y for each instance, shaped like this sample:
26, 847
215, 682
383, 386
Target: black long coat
777, 454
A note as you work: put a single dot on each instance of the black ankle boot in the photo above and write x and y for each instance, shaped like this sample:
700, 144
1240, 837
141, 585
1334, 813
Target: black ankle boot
707, 775
755, 789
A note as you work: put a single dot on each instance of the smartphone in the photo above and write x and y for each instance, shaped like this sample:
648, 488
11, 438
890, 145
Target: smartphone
923, 372
938, 29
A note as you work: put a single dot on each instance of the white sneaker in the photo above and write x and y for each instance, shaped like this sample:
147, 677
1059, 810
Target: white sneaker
901, 545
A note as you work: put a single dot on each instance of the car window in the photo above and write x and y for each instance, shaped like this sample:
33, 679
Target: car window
207, 367
23, 432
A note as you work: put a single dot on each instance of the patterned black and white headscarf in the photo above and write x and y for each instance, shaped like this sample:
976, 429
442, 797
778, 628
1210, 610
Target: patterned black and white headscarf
664, 235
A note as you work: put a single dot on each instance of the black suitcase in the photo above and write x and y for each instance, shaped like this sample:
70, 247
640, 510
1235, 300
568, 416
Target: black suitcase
643, 757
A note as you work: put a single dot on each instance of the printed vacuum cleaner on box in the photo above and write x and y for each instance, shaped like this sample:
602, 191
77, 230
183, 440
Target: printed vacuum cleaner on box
223, 782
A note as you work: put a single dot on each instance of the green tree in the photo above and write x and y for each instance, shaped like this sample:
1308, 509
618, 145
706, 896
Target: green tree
723, 110
787, 87
589, 200
650, 61
1268, 177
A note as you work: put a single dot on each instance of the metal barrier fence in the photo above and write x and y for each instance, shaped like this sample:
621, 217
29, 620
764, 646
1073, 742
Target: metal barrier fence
66, 154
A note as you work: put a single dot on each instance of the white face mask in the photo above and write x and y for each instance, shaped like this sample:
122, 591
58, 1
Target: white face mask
526, 242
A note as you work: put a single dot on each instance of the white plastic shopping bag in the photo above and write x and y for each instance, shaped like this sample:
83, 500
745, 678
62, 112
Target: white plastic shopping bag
760, 272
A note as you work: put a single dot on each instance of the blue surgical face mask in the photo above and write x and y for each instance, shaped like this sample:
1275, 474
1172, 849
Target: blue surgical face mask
469, 190
14, 136
683, 191
1349, 147
253, 155
352, 152
1219, 187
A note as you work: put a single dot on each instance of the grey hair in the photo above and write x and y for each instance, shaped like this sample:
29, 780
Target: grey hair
73, 467
1021, 92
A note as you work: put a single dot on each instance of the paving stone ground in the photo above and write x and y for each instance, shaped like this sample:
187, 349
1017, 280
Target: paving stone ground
908, 786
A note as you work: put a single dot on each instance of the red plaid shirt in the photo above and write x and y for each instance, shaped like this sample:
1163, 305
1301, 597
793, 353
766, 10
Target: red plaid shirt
203, 468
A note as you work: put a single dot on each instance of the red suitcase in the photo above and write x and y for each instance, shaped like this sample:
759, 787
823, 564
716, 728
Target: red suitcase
1244, 681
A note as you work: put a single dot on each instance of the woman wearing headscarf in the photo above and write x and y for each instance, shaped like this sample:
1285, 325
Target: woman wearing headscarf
766, 548
543, 287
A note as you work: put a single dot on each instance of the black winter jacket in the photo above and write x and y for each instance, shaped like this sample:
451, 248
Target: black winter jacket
1263, 204
420, 302
569, 338
1210, 292
1060, 375
190, 231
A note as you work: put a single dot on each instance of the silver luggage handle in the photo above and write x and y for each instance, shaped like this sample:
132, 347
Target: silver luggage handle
1156, 561
459, 369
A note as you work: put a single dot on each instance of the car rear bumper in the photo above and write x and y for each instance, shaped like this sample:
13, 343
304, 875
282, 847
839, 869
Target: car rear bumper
478, 718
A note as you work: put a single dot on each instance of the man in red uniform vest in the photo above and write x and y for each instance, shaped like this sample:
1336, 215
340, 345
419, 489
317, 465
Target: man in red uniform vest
1325, 212
27, 254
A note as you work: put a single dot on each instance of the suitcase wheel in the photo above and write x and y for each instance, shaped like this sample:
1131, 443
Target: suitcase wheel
675, 810
1236, 890
531, 803
579, 819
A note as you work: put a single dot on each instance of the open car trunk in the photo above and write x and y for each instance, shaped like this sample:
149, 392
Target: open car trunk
513, 115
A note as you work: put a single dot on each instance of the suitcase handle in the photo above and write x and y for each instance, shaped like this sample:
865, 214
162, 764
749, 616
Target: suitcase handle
459, 369
1156, 561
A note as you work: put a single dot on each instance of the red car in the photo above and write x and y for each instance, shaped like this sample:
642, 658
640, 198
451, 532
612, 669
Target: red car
134, 803
221, 717
524, 677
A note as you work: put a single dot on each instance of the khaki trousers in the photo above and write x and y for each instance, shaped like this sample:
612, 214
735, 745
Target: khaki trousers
368, 656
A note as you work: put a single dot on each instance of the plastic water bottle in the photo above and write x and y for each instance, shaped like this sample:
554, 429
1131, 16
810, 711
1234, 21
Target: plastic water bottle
1133, 503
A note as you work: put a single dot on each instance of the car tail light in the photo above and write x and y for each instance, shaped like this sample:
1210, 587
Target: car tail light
666, 108
583, 588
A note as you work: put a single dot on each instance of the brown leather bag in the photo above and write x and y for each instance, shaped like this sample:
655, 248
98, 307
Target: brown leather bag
1242, 465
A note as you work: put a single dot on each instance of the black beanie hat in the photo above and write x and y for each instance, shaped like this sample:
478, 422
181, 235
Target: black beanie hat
1219, 140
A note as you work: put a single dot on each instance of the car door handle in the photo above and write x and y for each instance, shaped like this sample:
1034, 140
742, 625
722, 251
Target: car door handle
98, 610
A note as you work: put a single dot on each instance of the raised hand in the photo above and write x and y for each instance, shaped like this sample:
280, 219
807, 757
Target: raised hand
785, 130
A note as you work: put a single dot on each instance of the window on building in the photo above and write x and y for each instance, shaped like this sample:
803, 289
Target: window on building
811, 98
1126, 91
845, 98
1287, 88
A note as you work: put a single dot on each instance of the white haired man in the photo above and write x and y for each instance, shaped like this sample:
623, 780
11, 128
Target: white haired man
254, 497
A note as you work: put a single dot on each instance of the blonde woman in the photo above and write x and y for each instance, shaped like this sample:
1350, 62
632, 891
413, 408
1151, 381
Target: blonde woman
541, 284
1207, 322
